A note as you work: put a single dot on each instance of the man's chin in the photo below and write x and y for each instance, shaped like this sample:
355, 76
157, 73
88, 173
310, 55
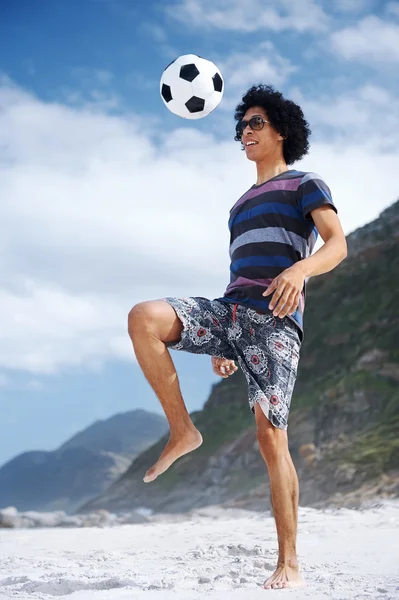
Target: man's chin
250, 156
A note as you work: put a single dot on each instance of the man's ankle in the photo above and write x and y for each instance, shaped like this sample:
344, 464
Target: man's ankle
288, 561
182, 430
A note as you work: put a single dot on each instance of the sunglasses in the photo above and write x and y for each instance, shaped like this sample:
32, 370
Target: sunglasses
256, 123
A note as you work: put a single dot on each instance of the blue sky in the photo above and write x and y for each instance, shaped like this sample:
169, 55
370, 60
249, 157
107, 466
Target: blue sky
109, 199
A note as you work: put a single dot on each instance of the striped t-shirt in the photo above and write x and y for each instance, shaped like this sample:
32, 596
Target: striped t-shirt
271, 228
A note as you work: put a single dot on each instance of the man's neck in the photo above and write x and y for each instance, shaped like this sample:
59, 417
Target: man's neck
266, 171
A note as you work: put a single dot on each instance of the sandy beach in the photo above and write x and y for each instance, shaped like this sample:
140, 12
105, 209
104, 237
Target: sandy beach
210, 553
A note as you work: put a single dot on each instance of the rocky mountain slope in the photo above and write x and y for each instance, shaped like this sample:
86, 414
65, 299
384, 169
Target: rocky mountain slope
82, 467
344, 423
126, 434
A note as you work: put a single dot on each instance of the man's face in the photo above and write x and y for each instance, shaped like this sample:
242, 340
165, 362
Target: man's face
261, 143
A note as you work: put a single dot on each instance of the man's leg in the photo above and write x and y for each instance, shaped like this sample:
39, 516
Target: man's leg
151, 325
273, 445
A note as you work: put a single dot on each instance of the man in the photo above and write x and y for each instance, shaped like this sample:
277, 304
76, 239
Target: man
259, 320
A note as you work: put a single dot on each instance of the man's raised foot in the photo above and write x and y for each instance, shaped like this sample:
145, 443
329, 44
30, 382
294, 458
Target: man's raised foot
177, 446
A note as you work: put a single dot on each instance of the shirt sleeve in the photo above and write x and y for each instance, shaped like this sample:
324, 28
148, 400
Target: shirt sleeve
313, 193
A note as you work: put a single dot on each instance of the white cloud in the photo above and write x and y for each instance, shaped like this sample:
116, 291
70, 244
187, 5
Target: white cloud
17, 384
48, 327
91, 98
90, 88
373, 41
367, 115
99, 212
252, 15
262, 64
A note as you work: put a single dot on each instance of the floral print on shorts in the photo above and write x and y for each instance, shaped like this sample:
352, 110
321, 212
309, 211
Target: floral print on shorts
265, 347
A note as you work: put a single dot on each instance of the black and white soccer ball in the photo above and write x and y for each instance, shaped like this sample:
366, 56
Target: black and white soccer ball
191, 86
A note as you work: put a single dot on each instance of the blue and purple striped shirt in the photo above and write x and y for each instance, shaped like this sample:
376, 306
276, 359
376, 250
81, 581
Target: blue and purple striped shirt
271, 228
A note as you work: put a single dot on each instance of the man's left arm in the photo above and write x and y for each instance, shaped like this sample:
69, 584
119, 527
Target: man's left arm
288, 285
334, 249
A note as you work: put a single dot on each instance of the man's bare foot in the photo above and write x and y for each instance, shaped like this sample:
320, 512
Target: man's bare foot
173, 450
285, 577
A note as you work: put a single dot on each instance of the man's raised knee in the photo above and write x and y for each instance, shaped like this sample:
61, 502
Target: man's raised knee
139, 316
157, 318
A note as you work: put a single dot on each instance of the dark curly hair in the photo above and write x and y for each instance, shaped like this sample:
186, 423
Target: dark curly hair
285, 116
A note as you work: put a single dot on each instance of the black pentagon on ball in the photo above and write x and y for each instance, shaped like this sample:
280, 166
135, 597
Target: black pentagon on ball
195, 104
217, 83
166, 93
189, 72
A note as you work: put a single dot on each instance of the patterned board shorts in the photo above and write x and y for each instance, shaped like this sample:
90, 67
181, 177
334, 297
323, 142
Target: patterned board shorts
265, 347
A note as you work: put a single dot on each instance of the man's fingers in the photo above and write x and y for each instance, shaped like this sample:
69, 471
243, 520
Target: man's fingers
223, 367
223, 372
276, 296
270, 288
281, 302
295, 303
288, 305
228, 368
220, 373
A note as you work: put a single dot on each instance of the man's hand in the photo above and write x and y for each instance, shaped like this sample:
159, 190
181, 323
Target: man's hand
223, 366
287, 288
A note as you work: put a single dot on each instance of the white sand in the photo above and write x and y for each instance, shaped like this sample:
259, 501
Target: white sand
344, 554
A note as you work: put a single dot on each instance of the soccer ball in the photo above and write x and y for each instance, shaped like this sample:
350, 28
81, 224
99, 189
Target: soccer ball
191, 87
